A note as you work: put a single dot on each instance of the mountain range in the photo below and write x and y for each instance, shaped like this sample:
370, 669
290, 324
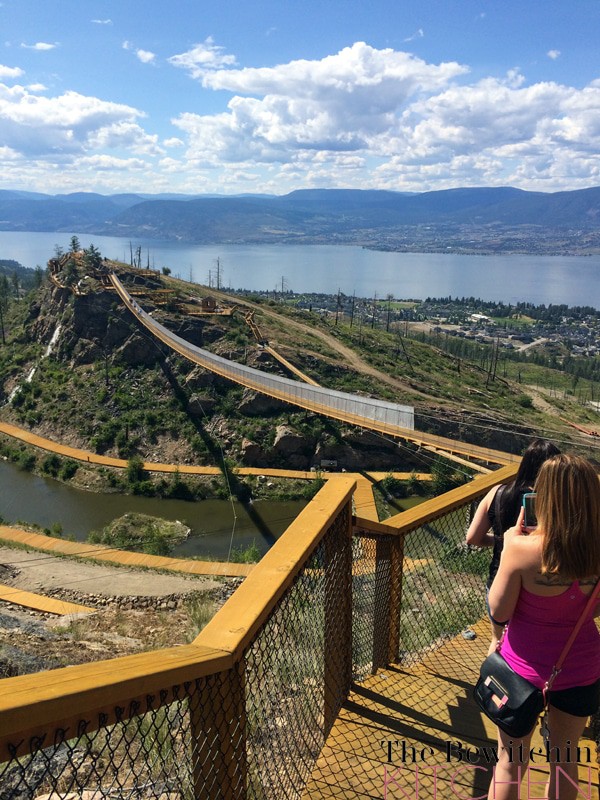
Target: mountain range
370, 217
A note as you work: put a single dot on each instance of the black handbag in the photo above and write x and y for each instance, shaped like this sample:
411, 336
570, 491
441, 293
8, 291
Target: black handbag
511, 701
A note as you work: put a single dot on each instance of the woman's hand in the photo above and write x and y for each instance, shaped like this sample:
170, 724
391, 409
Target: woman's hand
517, 529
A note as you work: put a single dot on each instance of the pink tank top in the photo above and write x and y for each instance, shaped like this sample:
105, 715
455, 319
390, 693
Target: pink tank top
538, 631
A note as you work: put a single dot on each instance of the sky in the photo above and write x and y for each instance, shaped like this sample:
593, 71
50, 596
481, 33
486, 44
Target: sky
271, 96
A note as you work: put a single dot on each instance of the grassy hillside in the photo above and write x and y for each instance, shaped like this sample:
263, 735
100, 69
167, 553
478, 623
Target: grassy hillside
109, 387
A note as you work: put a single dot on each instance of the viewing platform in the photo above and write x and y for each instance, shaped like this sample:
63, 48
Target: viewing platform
341, 667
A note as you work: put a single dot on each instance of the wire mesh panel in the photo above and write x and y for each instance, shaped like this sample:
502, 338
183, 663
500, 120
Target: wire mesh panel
255, 729
252, 731
298, 671
169, 746
442, 584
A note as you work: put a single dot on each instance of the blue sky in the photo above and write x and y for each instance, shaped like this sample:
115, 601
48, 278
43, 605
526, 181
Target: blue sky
276, 95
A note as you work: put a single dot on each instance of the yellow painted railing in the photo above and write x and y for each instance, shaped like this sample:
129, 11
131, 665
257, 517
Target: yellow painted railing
244, 711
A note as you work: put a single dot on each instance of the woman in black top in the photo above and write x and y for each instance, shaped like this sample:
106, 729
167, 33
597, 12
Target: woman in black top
499, 511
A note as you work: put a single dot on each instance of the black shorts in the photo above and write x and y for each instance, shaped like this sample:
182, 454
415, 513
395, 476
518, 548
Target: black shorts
580, 701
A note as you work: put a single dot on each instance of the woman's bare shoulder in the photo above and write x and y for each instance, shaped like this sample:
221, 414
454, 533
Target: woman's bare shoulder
526, 549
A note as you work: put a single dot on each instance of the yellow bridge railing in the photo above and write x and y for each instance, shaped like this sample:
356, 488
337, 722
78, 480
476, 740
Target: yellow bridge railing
244, 710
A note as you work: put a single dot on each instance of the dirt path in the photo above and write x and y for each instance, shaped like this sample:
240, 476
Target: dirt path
38, 572
351, 358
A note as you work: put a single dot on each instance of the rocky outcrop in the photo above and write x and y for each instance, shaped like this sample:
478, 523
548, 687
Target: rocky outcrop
288, 442
254, 404
199, 379
252, 453
138, 350
201, 404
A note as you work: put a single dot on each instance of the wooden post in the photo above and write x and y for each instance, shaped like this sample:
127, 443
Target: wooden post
388, 600
338, 615
218, 732
396, 574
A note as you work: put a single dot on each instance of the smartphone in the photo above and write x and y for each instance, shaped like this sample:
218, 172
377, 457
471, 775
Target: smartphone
530, 519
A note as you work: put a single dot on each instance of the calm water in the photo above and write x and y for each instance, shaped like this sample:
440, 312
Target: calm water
43, 501
327, 268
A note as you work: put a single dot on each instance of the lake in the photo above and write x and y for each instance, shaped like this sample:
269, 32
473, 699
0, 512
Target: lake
328, 268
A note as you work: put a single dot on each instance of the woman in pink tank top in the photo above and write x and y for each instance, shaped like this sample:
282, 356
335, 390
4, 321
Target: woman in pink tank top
541, 587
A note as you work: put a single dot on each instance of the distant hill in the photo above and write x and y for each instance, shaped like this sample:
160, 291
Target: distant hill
368, 217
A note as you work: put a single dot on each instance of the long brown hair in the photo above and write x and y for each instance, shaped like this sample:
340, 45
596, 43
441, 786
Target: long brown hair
568, 512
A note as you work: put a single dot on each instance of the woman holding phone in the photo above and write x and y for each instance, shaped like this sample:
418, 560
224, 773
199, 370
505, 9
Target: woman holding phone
499, 510
541, 587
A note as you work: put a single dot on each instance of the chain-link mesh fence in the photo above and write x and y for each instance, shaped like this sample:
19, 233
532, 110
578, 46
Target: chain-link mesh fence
442, 584
252, 731
256, 730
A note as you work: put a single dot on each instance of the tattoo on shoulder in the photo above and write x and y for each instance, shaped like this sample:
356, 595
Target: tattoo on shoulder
558, 580
543, 579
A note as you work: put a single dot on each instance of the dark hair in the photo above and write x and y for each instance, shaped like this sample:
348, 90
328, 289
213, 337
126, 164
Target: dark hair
538, 452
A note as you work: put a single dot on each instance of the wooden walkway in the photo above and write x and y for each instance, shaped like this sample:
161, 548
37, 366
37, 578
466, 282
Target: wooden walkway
288, 365
427, 707
87, 456
50, 605
99, 552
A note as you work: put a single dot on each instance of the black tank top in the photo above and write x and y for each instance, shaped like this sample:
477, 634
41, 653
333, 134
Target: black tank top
501, 518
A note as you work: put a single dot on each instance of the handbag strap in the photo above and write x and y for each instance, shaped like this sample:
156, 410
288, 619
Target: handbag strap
582, 617
496, 524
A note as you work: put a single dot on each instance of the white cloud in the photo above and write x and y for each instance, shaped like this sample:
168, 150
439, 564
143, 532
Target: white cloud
202, 58
363, 117
35, 125
553, 54
39, 46
8, 154
102, 21
340, 103
145, 56
369, 117
418, 34
109, 163
127, 135
10, 72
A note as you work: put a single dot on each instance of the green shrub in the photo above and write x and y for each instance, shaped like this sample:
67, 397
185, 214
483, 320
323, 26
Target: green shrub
51, 465
68, 469
525, 401
135, 471
394, 486
145, 488
27, 461
245, 555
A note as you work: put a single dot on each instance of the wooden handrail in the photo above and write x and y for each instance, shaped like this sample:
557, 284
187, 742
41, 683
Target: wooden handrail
34, 705
237, 622
38, 705
419, 515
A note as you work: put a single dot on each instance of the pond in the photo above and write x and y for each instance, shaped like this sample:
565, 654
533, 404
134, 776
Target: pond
217, 525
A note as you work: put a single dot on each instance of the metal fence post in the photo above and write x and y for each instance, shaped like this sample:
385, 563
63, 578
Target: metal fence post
218, 734
338, 616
